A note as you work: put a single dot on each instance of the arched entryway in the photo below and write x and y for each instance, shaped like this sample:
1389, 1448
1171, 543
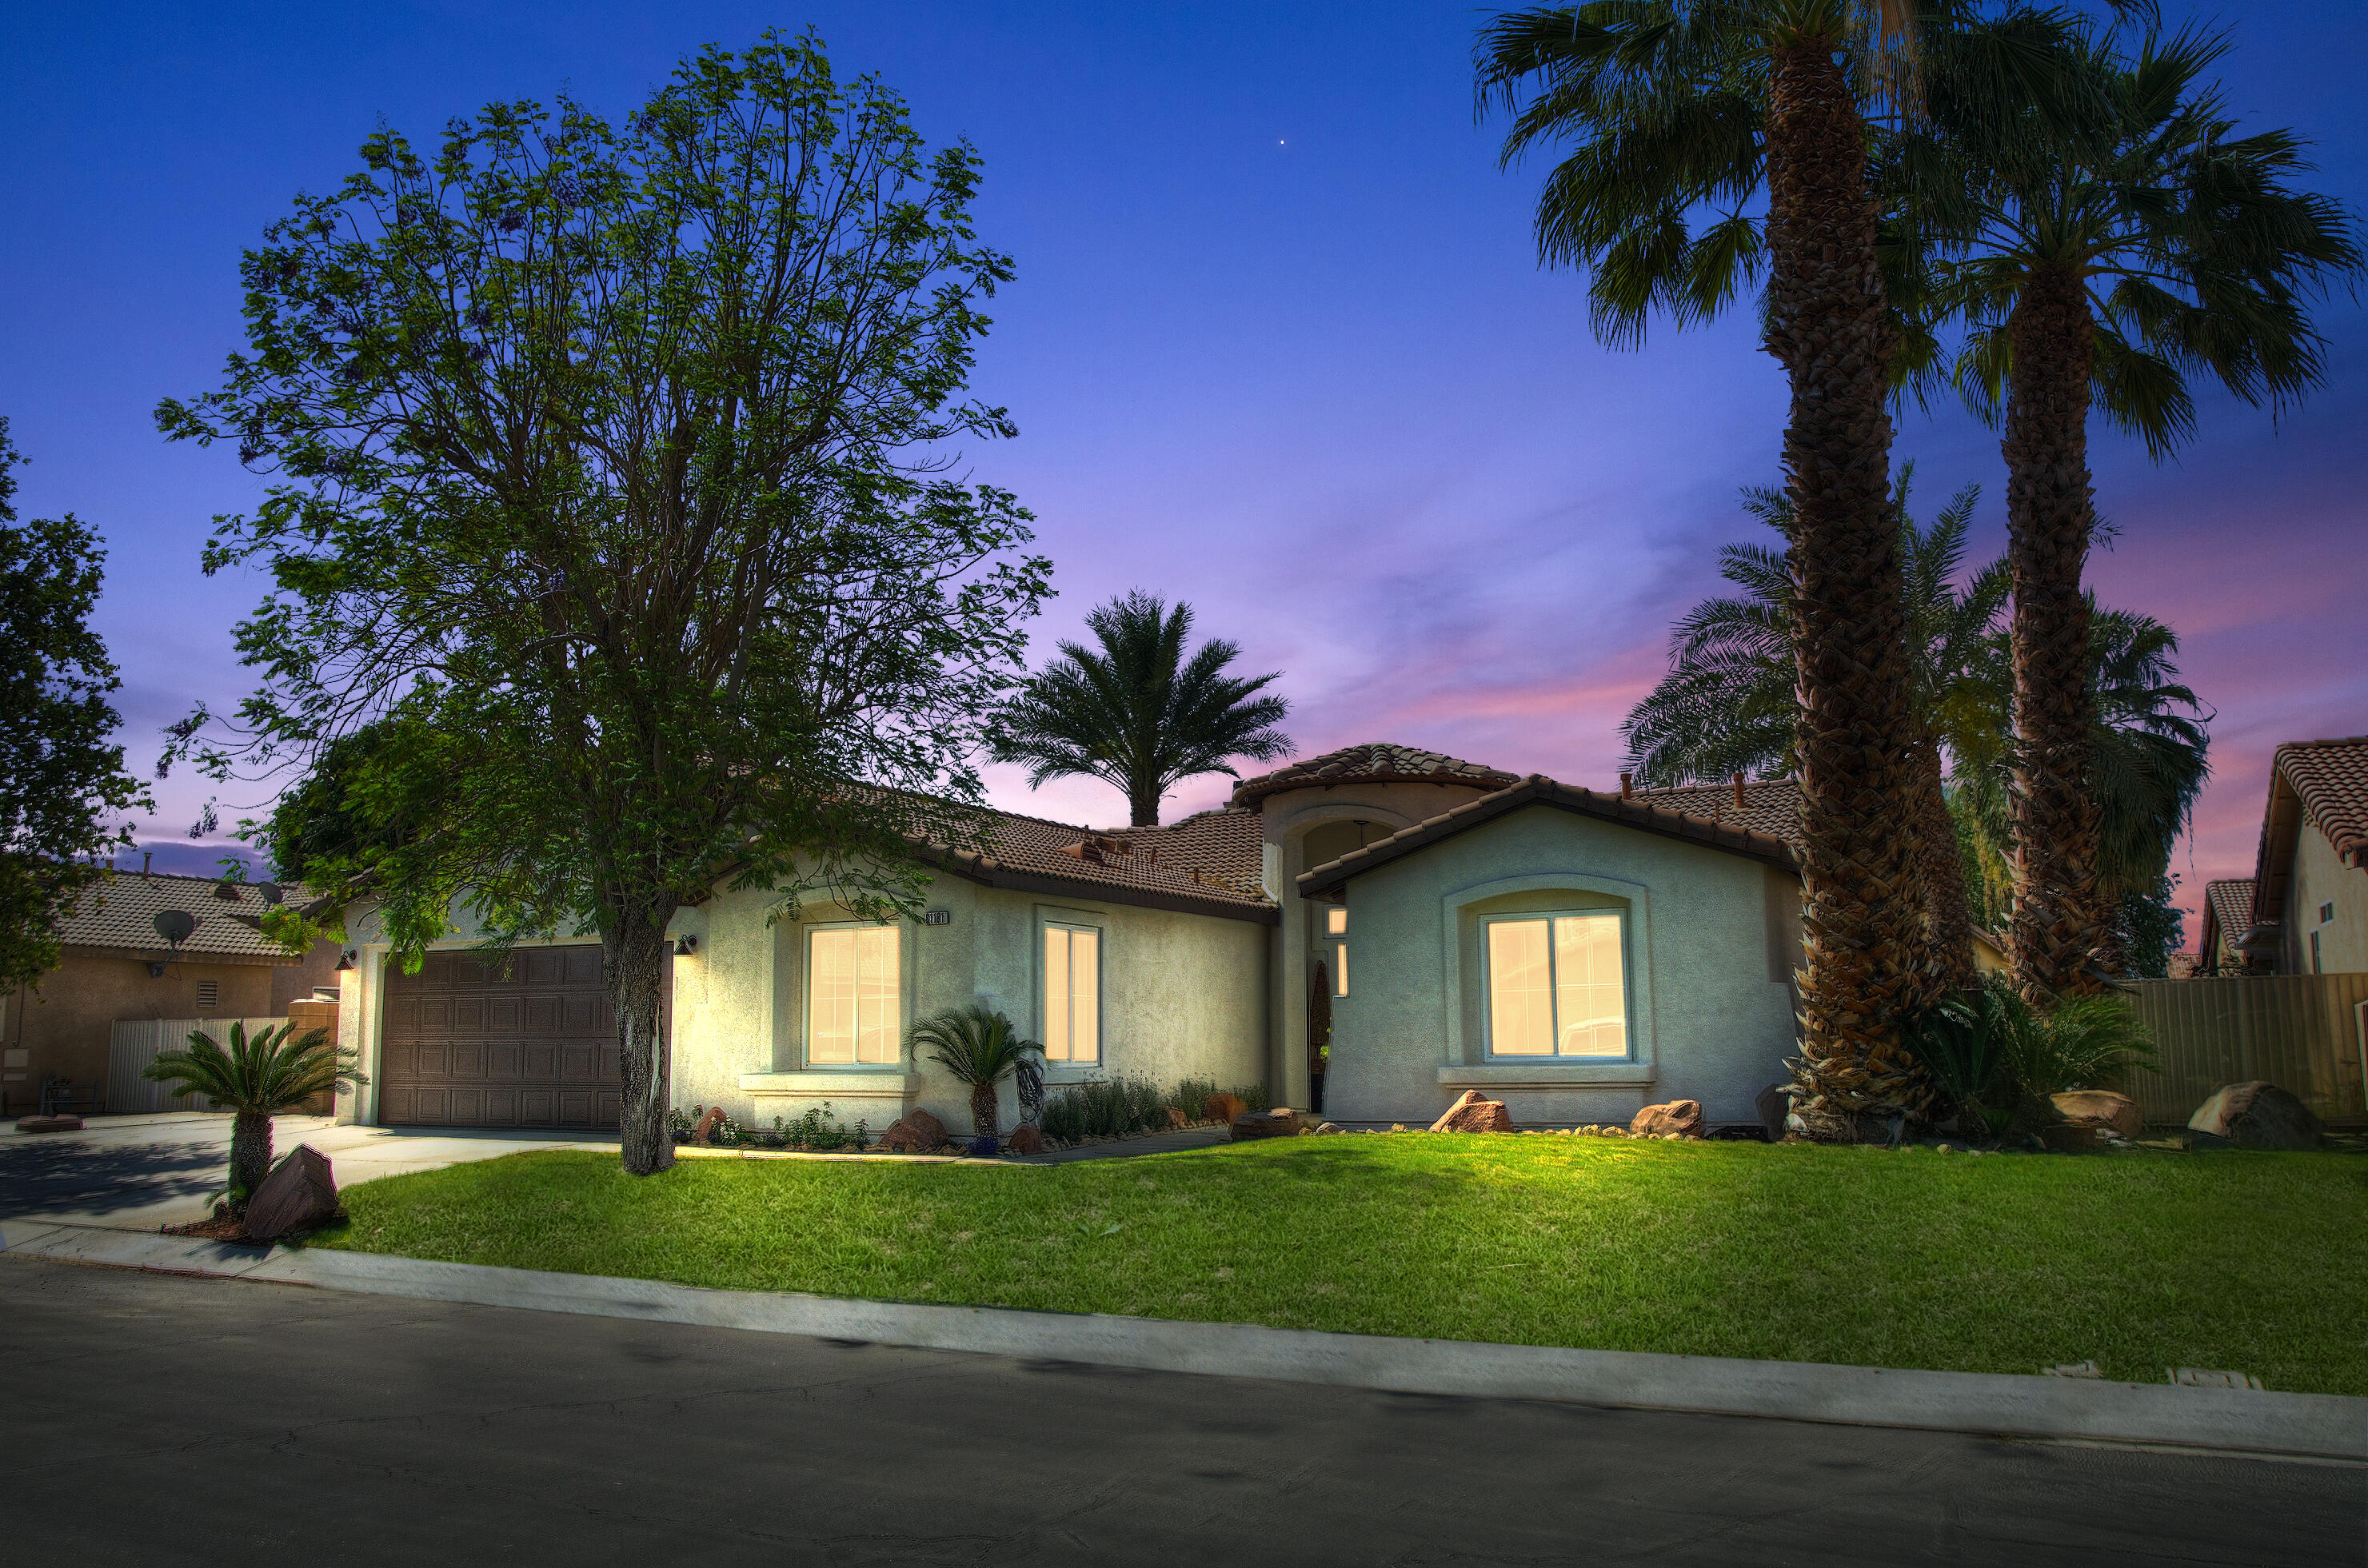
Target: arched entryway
1327, 939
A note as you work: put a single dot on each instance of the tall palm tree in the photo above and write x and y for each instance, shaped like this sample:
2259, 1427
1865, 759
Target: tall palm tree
1138, 713
2143, 245
1726, 706
259, 1076
1683, 111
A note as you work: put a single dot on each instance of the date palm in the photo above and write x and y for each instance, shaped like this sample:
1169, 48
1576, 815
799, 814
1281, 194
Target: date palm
1137, 712
1683, 112
2146, 244
1726, 706
257, 1077
979, 1046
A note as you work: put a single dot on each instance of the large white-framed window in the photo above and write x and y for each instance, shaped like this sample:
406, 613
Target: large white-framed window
1071, 1008
1556, 986
854, 995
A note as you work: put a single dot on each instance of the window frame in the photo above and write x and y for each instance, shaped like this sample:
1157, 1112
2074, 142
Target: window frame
807, 1063
1100, 933
1556, 1058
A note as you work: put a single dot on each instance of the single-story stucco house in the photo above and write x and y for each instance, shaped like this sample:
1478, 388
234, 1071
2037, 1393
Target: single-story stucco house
1576, 953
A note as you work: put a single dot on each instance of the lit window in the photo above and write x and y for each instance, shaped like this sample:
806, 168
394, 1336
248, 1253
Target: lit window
1557, 986
852, 1012
1073, 994
1336, 922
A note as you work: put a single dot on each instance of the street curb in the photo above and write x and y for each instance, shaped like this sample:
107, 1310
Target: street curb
2312, 1425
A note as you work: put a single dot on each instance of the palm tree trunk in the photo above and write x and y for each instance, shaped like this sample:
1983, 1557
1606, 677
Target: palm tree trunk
982, 1109
1948, 902
635, 953
2050, 515
1142, 806
250, 1154
1862, 873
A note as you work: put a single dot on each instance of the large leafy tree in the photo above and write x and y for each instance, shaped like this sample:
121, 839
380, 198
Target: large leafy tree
2141, 244
1726, 706
63, 784
608, 465
1138, 711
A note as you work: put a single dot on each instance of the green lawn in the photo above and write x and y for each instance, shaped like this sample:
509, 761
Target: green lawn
1997, 1264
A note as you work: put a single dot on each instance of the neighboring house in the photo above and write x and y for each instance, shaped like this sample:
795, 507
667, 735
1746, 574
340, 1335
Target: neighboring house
1578, 953
115, 965
2309, 912
2227, 915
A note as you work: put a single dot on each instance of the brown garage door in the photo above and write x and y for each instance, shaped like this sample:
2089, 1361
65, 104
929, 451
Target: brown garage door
529, 1043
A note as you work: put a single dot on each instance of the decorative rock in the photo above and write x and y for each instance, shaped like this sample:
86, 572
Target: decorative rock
1470, 1113
1222, 1107
2104, 1108
2255, 1116
1177, 1119
1280, 1122
1027, 1140
1681, 1118
49, 1124
1773, 1103
916, 1132
300, 1193
2074, 1137
704, 1133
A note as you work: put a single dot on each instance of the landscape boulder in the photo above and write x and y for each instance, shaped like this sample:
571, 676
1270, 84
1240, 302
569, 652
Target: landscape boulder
1175, 1118
1470, 1113
1280, 1123
1026, 1140
2257, 1115
298, 1193
1682, 1119
2084, 1137
704, 1133
2101, 1108
916, 1132
49, 1124
1222, 1107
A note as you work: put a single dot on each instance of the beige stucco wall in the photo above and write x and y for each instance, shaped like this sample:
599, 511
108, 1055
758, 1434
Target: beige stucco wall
63, 1027
2320, 878
1712, 937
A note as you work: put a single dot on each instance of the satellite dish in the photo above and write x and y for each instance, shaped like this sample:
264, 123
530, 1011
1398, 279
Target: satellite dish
269, 891
174, 925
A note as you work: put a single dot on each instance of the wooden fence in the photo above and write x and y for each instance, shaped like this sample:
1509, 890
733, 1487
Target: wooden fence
135, 1042
2307, 1033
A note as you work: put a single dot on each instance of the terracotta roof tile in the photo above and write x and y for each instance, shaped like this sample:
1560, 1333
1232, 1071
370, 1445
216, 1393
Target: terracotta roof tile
2230, 904
1374, 763
121, 912
1212, 858
2331, 778
1772, 806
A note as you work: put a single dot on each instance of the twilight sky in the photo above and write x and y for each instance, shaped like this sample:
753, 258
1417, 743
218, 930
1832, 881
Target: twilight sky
1278, 346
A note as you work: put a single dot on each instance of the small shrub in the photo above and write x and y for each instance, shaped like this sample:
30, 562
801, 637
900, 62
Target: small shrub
1991, 1051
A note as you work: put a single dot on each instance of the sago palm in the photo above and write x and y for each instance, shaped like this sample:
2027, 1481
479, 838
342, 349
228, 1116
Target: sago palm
1137, 712
2143, 245
1682, 113
979, 1047
257, 1077
1726, 706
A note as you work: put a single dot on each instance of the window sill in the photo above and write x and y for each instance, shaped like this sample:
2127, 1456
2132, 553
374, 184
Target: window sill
1059, 1072
845, 1082
1548, 1076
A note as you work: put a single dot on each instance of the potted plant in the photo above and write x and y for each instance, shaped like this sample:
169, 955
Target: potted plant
979, 1047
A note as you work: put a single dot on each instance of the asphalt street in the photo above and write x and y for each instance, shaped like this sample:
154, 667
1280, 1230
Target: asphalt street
163, 1419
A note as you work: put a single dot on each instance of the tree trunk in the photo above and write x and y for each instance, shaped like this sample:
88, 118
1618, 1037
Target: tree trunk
982, 1109
1948, 902
250, 1154
636, 953
1864, 909
2050, 514
1143, 810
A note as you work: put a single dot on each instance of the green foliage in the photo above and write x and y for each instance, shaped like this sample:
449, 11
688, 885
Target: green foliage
1137, 713
816, 1129
271, 1071
974, 1043
61, 781
1994, 1051
1115, 1107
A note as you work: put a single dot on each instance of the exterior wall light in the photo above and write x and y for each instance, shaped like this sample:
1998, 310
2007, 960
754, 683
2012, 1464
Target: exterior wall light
685, 946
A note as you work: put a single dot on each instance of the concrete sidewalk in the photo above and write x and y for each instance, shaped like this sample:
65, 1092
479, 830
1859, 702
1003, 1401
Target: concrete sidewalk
142, 1172
2322, 1426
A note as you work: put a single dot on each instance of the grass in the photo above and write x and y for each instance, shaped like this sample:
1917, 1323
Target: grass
2002, 1264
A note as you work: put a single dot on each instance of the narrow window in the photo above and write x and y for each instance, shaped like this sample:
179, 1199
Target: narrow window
1340, 968
1557, 986
2314, 954
208, 992
2325, 913
1336, 922
1073, 994
853, 1017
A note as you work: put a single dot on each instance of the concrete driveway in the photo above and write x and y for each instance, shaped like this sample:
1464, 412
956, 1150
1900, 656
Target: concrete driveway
139, 1172
163, 1420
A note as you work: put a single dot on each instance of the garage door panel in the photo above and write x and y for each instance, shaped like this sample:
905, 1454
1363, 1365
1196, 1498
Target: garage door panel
526, 1044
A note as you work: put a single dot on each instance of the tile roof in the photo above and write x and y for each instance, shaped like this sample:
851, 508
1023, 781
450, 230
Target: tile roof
2331, 778
121, 912
1772, 806
1539, 790
2230, 904
1208, 862
1374, 763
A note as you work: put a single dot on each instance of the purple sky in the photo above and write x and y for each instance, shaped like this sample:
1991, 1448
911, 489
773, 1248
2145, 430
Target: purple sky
1278, 346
